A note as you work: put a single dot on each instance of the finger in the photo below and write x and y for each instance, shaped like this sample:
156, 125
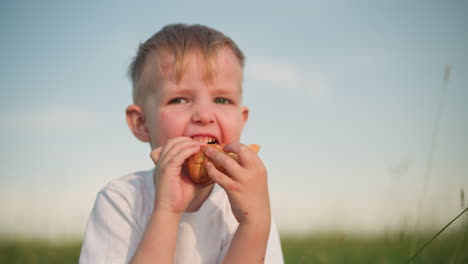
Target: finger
180, 157
226, 182
173, 141
179, 152
224, 161
232, 147
155, 154
245, 155
170, 144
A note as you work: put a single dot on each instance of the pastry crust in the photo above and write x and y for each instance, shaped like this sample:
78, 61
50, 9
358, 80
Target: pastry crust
197, 162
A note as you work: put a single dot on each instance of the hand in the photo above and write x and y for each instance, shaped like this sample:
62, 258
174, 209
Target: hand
245, 183
173, 191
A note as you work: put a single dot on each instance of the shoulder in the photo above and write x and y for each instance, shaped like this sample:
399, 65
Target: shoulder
131, 182
131, 185
131, 195
118, 219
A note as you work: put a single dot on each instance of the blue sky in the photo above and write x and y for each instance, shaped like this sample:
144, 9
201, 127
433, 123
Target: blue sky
343, 98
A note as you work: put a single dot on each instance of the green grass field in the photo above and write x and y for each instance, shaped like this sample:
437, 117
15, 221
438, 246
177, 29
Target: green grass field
397, 248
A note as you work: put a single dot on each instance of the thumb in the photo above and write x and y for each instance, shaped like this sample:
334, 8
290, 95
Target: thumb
155, 154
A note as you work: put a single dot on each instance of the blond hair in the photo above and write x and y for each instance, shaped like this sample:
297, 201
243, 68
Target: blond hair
179, 39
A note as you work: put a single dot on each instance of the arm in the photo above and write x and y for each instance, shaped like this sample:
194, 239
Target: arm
173, 194
248, 244
247, 190
159, 240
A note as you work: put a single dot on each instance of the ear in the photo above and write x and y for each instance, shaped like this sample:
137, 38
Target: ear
245, 114
136, 122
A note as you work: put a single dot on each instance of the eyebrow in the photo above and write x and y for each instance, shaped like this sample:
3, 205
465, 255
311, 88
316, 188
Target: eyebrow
173, 89
226, 90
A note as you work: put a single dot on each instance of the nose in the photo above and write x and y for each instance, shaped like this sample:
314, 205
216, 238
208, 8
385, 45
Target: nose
203, 113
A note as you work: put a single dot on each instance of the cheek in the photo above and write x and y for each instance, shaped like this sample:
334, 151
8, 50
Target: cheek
232, 126
169, 125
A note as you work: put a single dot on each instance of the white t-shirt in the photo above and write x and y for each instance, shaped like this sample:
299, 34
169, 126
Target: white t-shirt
123, 208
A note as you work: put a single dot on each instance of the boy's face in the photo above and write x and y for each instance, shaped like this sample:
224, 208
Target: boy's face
195, 107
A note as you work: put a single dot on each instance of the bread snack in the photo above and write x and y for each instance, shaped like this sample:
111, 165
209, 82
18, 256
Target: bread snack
197, 162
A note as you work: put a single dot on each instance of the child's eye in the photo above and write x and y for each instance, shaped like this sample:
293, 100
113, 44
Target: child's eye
178, 101
221, 100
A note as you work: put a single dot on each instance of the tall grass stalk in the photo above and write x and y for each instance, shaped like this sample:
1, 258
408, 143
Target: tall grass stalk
463, 245
430, 156
435, 131
435, 236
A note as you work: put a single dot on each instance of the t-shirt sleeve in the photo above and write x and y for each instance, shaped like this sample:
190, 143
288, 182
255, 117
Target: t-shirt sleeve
274, 254
112, 234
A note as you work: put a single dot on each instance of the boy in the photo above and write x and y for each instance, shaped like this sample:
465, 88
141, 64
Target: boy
187, 91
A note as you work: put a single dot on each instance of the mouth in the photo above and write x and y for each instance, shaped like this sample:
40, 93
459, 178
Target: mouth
206, 139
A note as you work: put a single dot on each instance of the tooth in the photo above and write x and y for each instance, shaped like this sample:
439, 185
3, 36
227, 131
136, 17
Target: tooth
199, 139
205, 140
